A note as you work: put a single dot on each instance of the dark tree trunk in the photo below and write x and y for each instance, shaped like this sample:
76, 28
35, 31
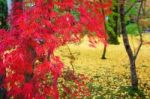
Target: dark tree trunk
104, 52
134, 79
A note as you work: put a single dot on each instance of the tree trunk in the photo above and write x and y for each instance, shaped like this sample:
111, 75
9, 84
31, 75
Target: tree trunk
134, 79
104, 53
104, 16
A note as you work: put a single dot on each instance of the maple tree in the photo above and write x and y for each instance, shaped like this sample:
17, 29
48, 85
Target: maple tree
28, 67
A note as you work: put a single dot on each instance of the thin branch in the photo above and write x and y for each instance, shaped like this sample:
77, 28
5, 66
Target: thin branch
140, 33
132, 42
131, 7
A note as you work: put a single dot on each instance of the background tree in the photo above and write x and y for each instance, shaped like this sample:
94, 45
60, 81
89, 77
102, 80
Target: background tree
3, 14
113, 25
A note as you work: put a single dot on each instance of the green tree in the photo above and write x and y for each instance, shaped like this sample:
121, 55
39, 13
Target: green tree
132, 56
112, 24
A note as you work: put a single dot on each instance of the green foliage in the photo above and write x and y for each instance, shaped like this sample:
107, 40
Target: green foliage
110, 29
76, 14
3, 14
132, 91
131, 18
56, 8
133, 11
132, 29
112, 24
113, 39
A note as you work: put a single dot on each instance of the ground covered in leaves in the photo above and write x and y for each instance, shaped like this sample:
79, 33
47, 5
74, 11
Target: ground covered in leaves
110, 78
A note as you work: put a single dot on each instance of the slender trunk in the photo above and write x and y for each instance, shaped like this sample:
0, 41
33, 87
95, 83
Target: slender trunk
104, 52
134, 79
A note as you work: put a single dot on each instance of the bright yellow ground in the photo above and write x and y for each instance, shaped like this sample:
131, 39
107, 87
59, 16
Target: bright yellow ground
114, 71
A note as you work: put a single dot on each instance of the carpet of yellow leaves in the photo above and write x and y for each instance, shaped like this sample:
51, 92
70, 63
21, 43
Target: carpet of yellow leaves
114, 71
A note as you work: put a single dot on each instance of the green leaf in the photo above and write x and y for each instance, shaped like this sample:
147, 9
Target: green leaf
132, 29
76, 14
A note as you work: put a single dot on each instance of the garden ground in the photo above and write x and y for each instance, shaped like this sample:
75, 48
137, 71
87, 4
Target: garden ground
112, 74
